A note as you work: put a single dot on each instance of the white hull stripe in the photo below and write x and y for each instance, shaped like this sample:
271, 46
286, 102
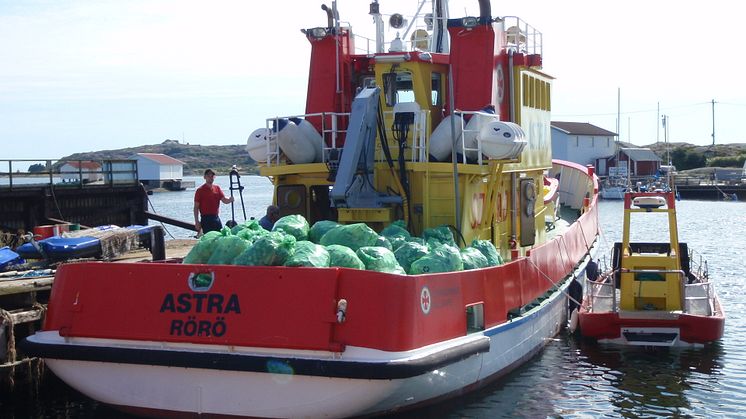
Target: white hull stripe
377, 370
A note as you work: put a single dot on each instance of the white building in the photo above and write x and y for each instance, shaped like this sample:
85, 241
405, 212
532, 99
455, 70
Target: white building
582, 143
155, 167
81, 171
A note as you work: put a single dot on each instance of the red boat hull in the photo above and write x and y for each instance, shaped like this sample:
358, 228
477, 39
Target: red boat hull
692, 329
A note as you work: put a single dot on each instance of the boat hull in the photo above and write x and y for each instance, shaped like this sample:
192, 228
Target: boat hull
147, 377
652, 328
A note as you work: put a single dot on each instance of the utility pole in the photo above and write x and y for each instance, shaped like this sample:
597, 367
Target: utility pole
664, 121
618, 113
713, 121
658, 126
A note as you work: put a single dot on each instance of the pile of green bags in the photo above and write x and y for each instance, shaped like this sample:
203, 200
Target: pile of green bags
292, 242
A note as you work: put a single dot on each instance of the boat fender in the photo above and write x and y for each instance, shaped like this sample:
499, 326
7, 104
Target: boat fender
573, 323
341, 310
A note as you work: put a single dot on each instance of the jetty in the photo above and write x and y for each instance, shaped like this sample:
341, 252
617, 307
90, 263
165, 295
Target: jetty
42, 196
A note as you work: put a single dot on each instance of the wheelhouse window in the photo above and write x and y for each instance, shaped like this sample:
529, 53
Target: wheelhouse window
398, 87
435, 89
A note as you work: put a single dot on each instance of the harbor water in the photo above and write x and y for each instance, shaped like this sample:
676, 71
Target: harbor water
570, 378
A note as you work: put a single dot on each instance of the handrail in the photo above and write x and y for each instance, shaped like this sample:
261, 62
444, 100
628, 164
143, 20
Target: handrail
81, 173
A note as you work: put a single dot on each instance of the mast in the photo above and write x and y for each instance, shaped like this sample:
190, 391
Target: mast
376, 13
713, 121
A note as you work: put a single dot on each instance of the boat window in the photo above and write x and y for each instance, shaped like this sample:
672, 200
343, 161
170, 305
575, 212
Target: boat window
474, 318
435, 89
397, 87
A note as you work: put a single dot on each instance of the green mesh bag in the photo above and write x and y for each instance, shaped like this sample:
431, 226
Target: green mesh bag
442, 235
353, 236
489, 251
202, 250
250, 225
271, 249
295, 225
383, 242
309, 254
408, 253
251, 235
379, 259
473, 259
343, 257
396, 233
319, 228
226, 249
443, 258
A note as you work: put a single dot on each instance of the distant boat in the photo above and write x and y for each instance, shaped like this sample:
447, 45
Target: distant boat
653, 295
614, 188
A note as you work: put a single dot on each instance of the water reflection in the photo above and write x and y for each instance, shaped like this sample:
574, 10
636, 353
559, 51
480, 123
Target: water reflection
651, 381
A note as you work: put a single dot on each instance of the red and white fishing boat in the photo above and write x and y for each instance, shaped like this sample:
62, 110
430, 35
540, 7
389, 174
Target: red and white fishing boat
655, 294
272, 341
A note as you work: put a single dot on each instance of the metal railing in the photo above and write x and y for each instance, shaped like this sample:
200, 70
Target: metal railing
333, 130
697, 298
31, 173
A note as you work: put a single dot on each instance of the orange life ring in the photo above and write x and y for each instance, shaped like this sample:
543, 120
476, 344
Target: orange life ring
501, 207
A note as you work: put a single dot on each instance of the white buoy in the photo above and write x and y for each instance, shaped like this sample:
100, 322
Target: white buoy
295, 144
312, 136
573, 324
441, 140
259, 144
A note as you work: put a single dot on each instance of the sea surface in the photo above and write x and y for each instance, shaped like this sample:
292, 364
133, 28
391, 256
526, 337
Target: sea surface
569, 378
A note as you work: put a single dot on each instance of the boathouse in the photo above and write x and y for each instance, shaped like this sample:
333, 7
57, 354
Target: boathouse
157, 170
582, 143
640, 161
87, 171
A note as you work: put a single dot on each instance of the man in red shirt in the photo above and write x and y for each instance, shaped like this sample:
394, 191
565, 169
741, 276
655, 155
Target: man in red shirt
207, 200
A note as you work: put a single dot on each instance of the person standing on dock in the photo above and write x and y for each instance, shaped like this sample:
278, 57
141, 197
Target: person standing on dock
207, 200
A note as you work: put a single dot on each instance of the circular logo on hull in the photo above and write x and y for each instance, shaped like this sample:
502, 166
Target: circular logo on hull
425, 301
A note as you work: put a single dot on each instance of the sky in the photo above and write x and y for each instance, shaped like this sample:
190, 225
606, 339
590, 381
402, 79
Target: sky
78, 76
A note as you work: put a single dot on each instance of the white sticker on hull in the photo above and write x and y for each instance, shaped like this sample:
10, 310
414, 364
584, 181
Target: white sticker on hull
425, 300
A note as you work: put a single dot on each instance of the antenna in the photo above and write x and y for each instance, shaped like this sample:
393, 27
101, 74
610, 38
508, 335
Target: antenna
713, 121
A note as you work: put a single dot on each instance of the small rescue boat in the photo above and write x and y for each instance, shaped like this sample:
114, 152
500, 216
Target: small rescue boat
654, 295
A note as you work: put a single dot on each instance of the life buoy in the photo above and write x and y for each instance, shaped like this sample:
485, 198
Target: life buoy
477, 208
501, 207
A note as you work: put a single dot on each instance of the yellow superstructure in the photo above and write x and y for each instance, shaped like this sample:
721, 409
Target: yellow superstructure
651, 275
499, 200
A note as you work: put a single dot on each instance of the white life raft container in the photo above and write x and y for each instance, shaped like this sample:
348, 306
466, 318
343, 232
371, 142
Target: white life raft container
502, 140
472, 129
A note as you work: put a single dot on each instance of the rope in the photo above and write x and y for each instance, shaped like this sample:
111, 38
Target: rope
554, 283
155, 212
10, 354
56, 204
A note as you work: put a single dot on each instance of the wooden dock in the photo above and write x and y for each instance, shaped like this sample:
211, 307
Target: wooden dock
24, 296
712, 191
